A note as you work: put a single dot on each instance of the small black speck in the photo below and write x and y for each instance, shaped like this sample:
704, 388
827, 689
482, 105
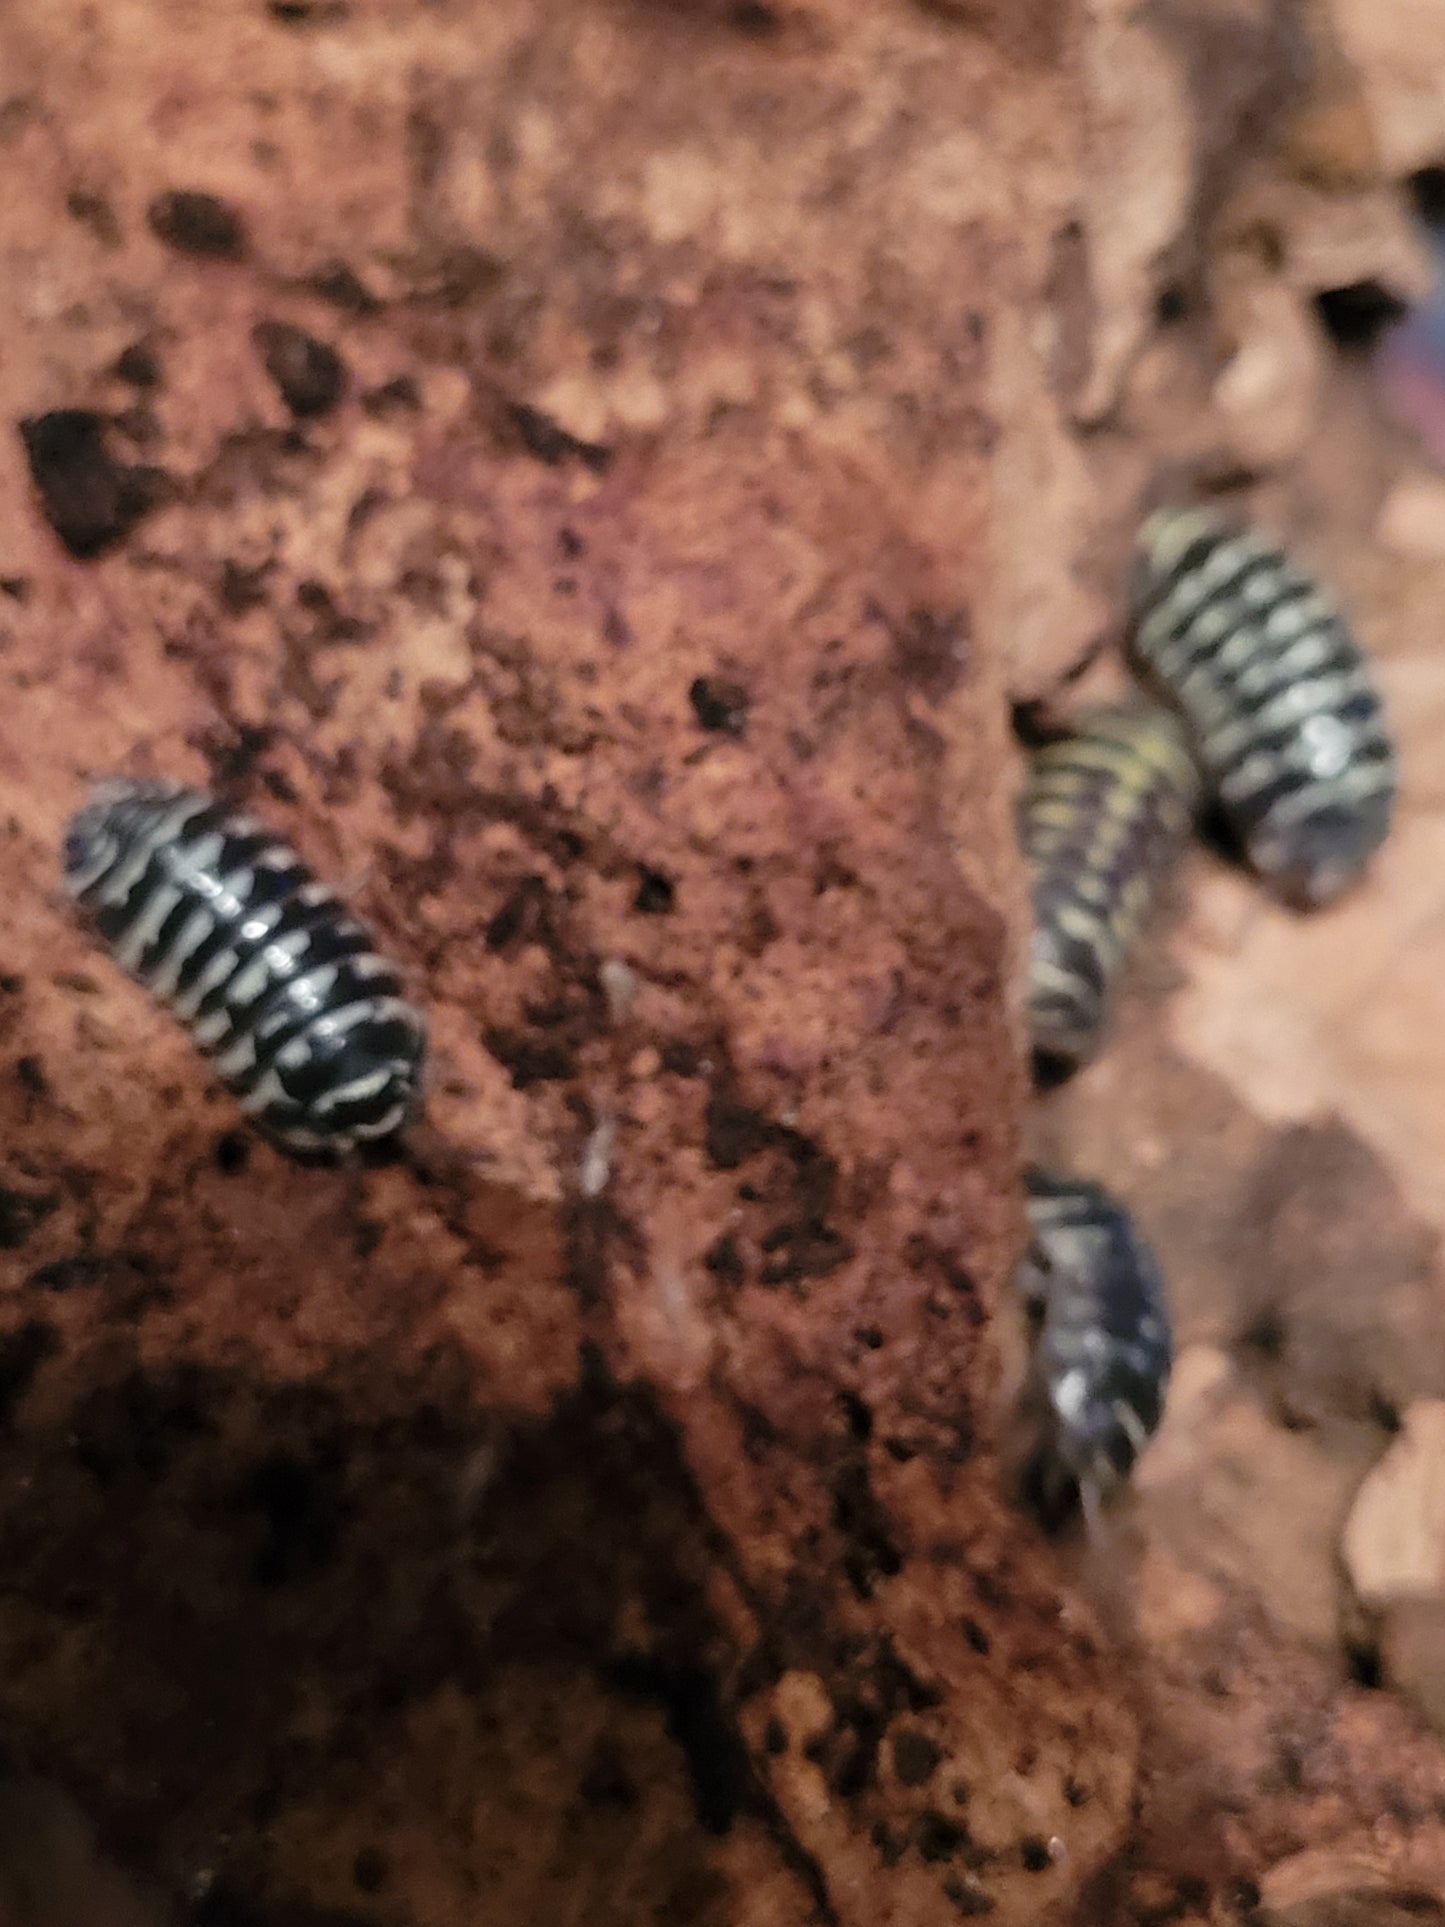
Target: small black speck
720, 704
655, 893
858, 1417
976, 1636
1076, 1795
870, 1336
1362, 1660
1384, 1412
241, 588
1034, 1852
681, 1058
939, 1838
570, 544
309, 374
92, 210
233, 1153
552, 444
90, 500
522, 917
11, 984
1266, 1335
138, 365
31, 1073
775, 1740
530, 1059
198, 224
723, 1261
735, 1133
344, 289
307, 13
1357, 315
915, 1757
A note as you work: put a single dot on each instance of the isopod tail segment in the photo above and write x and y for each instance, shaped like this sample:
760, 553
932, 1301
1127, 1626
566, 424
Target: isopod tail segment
1277, 695
1101, 1350
277, 983
1104, 817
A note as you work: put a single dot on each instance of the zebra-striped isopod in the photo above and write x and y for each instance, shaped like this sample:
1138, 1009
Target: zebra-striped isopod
1104, 815
1279, 700
277, 983
1102, 1355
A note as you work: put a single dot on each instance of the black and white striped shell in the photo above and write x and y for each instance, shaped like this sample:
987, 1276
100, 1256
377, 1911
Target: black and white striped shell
277, 983
1279, 699
1103, 1350
1105, 814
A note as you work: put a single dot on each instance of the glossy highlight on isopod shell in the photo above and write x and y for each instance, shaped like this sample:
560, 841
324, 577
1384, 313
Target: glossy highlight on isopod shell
1102, 1356
277, 983
1279, 699
1105, 814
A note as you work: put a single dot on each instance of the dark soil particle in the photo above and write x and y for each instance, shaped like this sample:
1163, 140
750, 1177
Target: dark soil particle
549, 442
655, 893
939, 1838
91, 500
724, 1261
915, 1757
199, 224
343, 287
310, 375
720, 704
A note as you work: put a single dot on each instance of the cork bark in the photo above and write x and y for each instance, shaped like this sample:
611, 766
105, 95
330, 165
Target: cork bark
595, 478
543, 462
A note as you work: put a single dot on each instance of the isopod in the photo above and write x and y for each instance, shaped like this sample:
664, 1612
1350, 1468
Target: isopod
1102, 1355
277, 983
1278, 697
1105, 813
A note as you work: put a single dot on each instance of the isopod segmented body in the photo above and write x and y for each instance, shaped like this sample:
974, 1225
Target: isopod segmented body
1104, 814
1278, 697
1103, 1351
277, 983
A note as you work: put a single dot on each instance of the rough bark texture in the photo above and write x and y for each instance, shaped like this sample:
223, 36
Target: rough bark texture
541, 465
593, 475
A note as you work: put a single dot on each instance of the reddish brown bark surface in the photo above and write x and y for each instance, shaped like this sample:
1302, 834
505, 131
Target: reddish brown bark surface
515, 458
592, 477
